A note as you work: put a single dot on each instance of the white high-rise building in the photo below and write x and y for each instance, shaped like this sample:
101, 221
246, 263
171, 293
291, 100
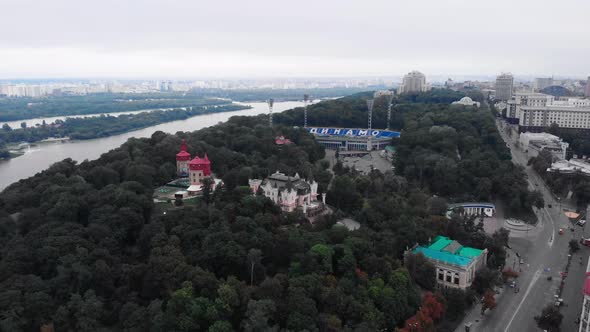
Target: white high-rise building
414, 81
504, 86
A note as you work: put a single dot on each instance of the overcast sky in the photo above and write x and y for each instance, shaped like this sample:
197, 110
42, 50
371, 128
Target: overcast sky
276, 38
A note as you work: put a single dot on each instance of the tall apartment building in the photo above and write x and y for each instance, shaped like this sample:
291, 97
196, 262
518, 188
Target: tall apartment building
414, 81
504, 86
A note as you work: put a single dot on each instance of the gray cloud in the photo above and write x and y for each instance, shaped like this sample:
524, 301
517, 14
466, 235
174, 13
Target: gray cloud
264, 37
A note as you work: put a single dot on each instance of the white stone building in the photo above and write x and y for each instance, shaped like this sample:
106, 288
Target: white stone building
571, 166
534, 111
466, 101
534, 143
383, 93
289, 192
455, 264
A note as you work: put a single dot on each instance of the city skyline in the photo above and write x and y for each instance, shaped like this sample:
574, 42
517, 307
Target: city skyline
182, 39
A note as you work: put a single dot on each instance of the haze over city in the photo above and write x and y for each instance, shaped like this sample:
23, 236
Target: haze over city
262, 38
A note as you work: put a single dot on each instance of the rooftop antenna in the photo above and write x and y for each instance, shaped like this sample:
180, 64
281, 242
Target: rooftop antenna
389, 106
305, 100
370, 107
270, 104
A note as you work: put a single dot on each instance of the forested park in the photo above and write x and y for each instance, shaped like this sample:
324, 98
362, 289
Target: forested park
84, 248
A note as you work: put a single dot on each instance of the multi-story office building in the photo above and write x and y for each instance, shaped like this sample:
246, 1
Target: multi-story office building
504, 86
414, 81
571, 102
535, 111
525, 99
534, 118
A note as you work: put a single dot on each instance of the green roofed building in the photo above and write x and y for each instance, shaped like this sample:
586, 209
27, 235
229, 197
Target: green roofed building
455, 264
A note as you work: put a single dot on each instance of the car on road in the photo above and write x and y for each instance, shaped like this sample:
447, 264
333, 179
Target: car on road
581, 222
561, 231
585, 242
521, 261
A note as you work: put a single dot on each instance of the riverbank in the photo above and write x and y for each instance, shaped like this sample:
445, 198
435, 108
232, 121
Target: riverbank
15, 109
103, 126
40, 159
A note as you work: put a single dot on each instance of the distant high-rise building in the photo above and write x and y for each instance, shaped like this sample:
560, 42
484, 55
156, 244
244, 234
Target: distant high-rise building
542, 83
166, 86
414, 81
588, 87
504, 86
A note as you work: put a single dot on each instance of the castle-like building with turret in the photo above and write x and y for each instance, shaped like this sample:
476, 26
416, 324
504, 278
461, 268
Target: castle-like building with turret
196, 169
290, 192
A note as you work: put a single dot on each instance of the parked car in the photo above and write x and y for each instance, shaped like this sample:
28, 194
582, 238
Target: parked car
561, 231
581, 222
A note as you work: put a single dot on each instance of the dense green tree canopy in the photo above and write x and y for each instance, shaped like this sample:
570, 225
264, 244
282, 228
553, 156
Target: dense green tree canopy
84, 247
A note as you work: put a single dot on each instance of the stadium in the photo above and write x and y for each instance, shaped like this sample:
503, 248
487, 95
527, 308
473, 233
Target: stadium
353, 139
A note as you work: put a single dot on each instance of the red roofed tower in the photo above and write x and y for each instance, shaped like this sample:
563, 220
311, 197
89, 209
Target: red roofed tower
198, 169
182, 159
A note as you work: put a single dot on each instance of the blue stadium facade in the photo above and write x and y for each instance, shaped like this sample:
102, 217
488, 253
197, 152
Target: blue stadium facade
353, 139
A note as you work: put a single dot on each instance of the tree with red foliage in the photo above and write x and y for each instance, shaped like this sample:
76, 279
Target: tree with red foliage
361, 274
430, 312
509, 273
488, 301
433, 307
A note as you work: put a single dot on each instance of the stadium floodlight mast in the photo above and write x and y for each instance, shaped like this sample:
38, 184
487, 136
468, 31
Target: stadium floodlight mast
305, 100
270, 104
389, 106
370, 107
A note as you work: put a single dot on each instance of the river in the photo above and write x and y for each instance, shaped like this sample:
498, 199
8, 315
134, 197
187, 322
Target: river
48, 120
45, 154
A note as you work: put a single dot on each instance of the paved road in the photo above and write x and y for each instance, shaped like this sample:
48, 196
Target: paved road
545, 253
